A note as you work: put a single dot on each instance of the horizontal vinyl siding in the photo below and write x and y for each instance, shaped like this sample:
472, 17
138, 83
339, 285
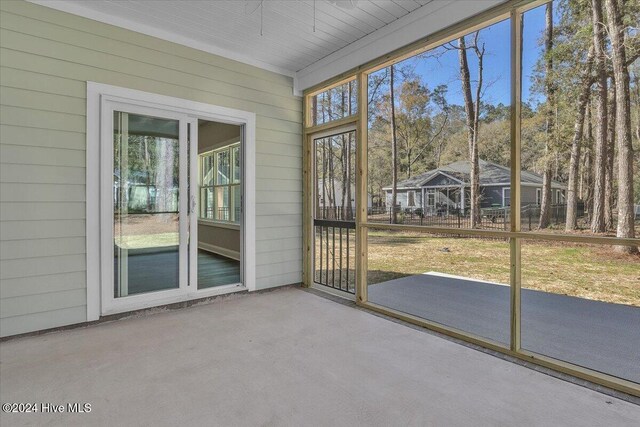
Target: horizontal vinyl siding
34, 285
42, 320
36, 248
46, 58
25, 305
14, 211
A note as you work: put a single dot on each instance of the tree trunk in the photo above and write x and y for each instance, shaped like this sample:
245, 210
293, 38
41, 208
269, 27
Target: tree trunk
472, 130
316, 174
475, 158
345, 177
600, 143
623, 127
578, 131
332, 179
545, 204
608, 173
350, 178
164, 175
350, 175
394, 149
588, 165
147, 165
636, 94
340, 208
325, 191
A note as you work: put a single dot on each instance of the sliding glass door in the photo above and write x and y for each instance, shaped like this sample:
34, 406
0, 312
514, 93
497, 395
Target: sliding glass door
146, 196
157, 247
146, 206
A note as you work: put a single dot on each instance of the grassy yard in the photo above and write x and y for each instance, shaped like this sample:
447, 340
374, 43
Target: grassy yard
586, 271
147, 240
139, 231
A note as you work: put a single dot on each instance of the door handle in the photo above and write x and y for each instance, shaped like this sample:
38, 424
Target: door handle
193, 204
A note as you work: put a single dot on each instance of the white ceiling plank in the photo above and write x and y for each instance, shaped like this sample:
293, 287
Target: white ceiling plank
330, 12
283, 26
301, 37
380, 13
194, 31
407, 5
230, 19
367, 12
435, 16
192, 26
304, 22
391, 8
305, 11
343, 37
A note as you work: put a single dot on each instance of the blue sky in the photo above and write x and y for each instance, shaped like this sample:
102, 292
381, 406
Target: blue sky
497, 62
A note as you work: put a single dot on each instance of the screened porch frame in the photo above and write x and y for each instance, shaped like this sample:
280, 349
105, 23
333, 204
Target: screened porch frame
513, 10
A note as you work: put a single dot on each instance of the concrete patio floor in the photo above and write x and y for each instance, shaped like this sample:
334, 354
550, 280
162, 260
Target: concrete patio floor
286, 357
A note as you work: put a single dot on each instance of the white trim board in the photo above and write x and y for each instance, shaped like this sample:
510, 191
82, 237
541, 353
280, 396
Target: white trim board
220, 224
223, 144
503, 191
219, 250
96, 93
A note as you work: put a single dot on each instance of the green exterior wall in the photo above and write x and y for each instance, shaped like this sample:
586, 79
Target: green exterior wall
46, 58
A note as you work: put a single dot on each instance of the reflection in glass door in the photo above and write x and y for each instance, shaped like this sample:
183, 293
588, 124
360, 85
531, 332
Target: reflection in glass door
146, 214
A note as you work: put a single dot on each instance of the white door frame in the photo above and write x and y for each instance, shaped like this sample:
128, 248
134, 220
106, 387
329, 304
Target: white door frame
98, 238
109, 303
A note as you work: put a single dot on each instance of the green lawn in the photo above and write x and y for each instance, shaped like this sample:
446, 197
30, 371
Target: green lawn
586, 271
157, 240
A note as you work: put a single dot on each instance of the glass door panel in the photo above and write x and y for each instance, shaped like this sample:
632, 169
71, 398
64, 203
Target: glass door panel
146, 214
217, 257
334, 213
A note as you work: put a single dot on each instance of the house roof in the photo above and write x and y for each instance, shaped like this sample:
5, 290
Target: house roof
490, 174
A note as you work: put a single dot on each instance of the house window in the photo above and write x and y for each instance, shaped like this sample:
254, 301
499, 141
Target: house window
411, 198
538, 196
506, 197
220, 191
431, 197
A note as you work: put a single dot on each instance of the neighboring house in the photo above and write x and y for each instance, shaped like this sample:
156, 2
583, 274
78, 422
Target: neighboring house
439, 190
